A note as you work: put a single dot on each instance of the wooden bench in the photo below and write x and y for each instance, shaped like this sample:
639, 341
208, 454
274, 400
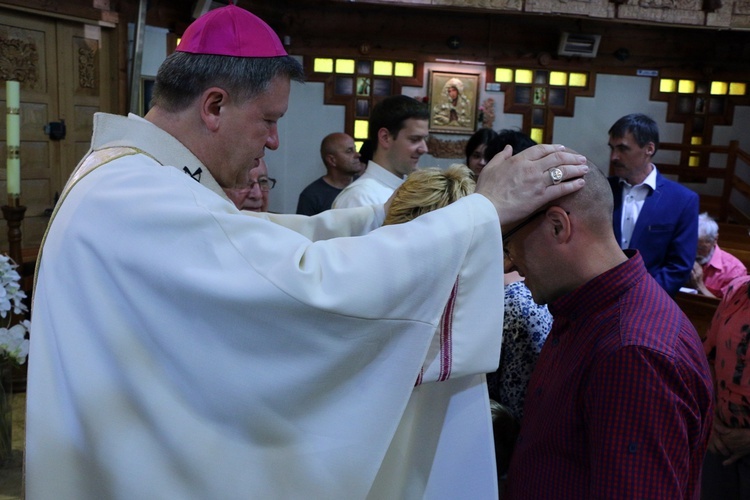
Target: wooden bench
741, 253
737, 232
699, 309
735, 239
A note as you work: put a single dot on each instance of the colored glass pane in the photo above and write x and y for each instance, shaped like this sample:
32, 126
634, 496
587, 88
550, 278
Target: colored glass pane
404, 69
537, 134
323, 65
578, 79
524, 76
558, 78
737, 88
503, 75
360, 129
719, 88
345, 66
686, 87
667, 85
383, 68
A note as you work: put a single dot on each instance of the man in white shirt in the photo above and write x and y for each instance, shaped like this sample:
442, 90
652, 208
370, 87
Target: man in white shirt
398, 124
182, 348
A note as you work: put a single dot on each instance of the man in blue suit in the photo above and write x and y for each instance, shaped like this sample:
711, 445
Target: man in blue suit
654, 215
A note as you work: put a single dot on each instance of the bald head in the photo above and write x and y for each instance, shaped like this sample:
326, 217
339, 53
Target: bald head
340, 156
331, 143
569, 242
593, 203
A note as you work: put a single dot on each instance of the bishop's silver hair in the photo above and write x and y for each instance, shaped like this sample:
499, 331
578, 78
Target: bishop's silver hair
183, 77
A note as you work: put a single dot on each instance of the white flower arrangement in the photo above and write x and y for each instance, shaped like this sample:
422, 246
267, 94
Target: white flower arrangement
13, 341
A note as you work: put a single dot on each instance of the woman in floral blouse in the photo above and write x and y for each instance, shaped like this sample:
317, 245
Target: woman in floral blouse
525, 328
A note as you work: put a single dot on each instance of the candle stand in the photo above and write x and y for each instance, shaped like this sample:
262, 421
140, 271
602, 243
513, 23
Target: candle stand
14, 214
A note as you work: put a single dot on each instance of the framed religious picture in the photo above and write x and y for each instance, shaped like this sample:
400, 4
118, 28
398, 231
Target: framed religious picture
363, 85
453, 102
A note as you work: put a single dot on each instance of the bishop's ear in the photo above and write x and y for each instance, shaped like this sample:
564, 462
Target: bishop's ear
212, 102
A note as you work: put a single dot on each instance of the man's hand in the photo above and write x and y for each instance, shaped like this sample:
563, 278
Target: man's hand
696, 275
696, 280
518, 185
729, 442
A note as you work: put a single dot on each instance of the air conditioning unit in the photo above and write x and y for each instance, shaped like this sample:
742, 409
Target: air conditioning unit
576, 44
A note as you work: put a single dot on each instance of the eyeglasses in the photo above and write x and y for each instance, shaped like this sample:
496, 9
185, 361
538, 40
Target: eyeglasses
264, 183
524, 223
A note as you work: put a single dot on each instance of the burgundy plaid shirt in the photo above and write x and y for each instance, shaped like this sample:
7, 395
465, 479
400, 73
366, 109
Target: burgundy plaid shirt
620, 402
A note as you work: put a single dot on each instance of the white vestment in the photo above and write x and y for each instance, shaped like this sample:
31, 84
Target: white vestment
183, 349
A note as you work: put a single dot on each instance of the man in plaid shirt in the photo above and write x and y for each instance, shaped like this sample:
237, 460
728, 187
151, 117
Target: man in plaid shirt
620, 402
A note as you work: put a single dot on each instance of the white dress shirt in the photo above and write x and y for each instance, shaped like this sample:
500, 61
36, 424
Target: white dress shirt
374, 187
633, 198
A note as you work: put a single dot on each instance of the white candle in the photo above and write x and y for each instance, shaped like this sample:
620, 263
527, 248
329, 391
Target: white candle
13, 140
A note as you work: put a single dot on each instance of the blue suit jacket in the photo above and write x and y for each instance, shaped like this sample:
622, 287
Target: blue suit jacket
666, 232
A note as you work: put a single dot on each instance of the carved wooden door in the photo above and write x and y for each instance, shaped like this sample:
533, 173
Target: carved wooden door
67, 73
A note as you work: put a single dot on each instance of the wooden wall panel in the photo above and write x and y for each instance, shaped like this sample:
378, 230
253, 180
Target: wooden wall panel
342, 29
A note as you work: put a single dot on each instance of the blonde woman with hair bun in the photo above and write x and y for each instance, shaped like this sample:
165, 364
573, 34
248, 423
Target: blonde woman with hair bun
427, 190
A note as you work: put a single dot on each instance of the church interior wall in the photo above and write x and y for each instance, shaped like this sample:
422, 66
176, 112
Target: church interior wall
297, 162
511, 39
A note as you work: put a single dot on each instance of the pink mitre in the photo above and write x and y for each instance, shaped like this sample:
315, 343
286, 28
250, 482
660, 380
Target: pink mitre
231, 31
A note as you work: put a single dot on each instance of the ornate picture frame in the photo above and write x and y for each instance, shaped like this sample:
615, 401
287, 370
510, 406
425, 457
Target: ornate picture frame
453, 102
